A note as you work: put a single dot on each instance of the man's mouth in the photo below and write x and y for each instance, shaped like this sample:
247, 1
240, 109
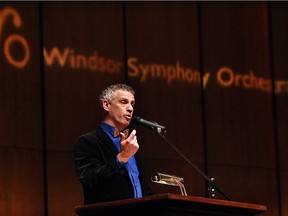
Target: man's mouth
128, 117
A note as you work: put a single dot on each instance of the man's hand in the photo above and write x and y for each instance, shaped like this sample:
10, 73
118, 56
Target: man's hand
128, 146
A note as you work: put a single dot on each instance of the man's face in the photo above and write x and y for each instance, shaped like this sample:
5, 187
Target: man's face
120, 110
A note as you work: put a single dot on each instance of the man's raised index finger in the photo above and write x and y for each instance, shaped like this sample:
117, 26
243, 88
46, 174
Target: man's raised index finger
132, 135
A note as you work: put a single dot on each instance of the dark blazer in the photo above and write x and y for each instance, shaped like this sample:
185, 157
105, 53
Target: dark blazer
102, 180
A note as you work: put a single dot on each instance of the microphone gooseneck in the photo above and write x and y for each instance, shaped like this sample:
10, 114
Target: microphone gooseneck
152, 125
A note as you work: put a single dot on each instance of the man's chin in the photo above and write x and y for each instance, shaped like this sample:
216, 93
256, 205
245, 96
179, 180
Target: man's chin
126, 125
123, 125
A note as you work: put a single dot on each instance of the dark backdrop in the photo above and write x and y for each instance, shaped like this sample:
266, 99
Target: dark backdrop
212, 72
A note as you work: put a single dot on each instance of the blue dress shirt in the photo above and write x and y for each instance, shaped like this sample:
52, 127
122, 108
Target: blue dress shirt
131, 165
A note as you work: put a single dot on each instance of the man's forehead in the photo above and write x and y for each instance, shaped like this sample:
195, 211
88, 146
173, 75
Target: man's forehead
124, 94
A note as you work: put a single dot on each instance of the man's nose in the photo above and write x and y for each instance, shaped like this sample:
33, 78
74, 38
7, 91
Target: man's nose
130, 107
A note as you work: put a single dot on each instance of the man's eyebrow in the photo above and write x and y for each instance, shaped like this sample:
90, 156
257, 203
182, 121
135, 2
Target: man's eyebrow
123, 98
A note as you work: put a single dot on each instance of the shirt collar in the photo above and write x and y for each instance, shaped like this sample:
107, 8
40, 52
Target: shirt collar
107, 128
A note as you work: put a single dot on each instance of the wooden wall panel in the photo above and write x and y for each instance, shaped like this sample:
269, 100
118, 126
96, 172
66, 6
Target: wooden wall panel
163, 67
88, 39
91, 50
238, 100
21, 180
64, 191
279, 29
21, 161
85, 45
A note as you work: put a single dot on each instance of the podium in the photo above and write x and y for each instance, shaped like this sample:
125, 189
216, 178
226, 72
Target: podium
170, 205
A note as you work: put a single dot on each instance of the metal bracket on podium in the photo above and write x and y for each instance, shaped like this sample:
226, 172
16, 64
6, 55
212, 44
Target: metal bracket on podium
167, 179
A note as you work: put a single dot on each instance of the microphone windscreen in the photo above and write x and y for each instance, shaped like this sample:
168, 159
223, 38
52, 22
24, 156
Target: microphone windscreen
136, 120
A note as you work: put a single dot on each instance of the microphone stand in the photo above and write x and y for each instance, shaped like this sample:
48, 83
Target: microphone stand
212, 184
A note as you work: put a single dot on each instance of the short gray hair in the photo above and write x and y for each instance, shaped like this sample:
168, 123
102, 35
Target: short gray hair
109, 92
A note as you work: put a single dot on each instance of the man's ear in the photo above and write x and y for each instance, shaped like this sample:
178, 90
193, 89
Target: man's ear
106, 105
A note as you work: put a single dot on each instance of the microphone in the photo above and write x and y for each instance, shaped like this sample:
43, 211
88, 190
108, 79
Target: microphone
152, 125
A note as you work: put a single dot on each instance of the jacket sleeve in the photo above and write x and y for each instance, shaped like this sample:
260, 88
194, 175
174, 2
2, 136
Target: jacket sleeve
97, 170
90, 161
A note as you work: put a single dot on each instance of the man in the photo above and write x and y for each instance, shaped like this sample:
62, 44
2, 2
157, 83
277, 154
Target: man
107, 161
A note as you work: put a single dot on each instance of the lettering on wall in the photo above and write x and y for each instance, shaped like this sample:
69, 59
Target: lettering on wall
144, 71
170, 73
226, 77
69, 58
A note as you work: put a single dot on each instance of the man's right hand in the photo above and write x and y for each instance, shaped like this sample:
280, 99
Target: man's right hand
128, 146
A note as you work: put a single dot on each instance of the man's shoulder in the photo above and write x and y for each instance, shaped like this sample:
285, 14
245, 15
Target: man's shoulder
91, 135
87, 140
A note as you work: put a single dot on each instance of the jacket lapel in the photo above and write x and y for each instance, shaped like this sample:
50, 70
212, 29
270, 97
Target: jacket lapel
106, 141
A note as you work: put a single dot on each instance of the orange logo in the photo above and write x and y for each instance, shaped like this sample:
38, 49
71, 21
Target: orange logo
13, 38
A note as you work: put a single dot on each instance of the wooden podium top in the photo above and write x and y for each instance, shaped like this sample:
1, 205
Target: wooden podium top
161, 203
